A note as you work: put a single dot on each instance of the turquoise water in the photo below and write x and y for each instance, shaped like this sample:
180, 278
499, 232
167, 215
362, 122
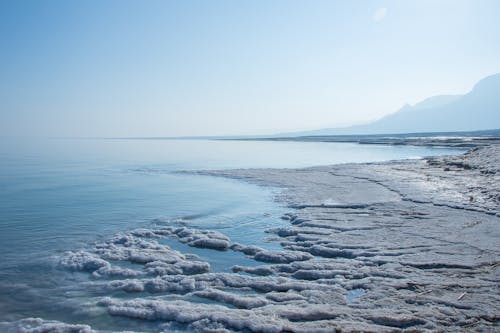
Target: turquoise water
61, 195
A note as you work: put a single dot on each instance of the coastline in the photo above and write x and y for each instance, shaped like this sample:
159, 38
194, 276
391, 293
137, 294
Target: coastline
399, 246
461, 140
417, 238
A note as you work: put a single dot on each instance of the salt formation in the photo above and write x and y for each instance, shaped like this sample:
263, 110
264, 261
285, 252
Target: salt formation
207, 239
37, 325
419, 239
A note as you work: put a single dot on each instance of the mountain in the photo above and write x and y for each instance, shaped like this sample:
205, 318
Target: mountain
477, 110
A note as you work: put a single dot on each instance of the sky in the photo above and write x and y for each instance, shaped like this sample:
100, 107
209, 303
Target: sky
181, 68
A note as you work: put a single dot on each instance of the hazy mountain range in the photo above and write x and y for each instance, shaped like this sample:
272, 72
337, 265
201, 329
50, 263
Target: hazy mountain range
477, 110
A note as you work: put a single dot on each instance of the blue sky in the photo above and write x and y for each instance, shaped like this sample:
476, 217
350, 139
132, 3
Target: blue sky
167, 68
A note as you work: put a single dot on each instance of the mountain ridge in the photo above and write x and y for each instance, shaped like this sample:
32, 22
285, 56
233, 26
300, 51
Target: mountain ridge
479, 109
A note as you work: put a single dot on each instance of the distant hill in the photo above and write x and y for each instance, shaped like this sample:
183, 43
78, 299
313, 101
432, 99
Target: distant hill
477, 110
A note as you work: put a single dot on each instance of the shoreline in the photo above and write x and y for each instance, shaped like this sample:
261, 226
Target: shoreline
460, 140
418, 238
398, 246
477, 161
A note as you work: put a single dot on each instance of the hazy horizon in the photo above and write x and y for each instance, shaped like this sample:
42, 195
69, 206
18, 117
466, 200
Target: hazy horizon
135, 69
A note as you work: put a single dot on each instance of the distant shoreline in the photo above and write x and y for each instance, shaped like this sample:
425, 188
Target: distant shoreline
461, 139
464, 140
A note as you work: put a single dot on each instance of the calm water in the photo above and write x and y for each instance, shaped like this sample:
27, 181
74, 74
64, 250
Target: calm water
64, 194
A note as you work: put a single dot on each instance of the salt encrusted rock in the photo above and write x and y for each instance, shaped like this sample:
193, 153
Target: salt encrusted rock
281, 256
179, 284
189, 313
38, 325
116, 271
246, 249
271, 256
83, 261
208, 243
181, 267
143, 232
207, 239
258, 270
395, 320
328, 252
315, 274
284, 232
240, 301
125, 247
157, 259
206, 326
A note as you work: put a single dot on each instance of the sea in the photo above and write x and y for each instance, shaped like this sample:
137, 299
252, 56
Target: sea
59, 195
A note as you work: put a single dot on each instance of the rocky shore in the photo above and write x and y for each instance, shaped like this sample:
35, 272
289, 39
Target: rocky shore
418, 239
402, 246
